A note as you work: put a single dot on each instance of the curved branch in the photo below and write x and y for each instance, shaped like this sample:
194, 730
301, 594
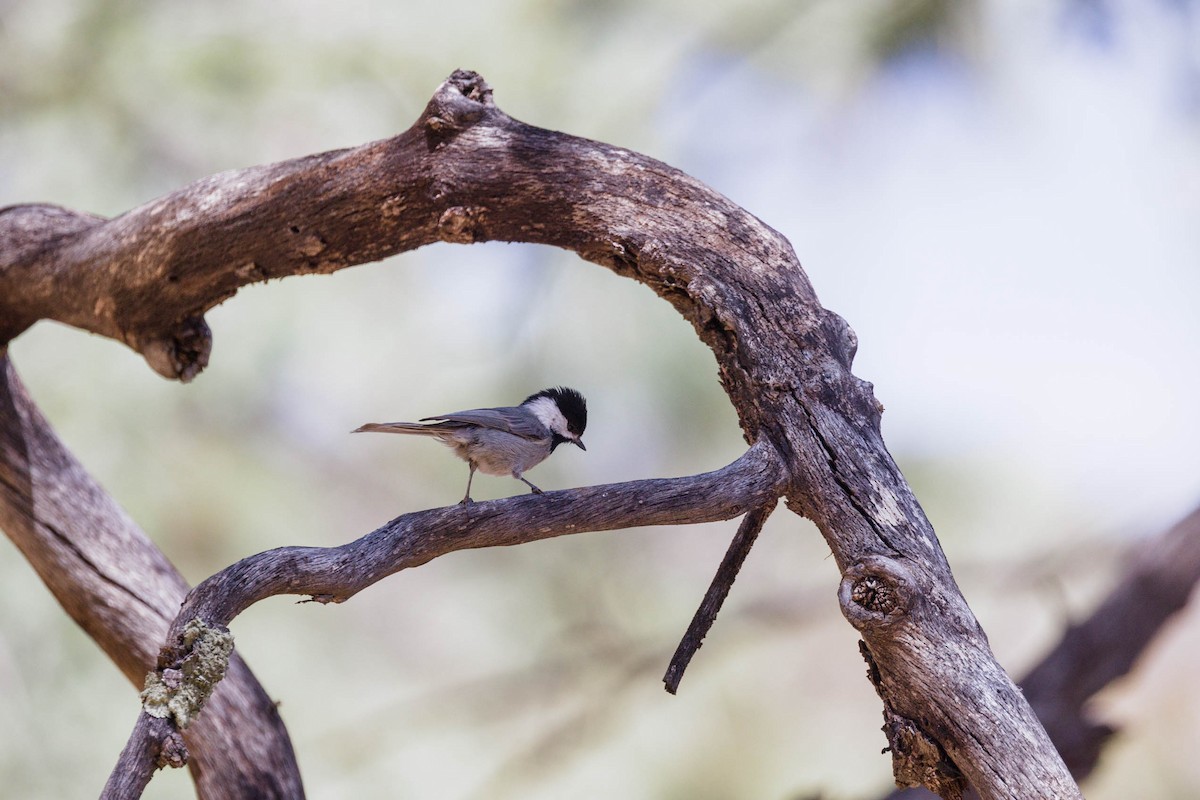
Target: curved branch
1159, 580
121, 589
335, 574
467, 172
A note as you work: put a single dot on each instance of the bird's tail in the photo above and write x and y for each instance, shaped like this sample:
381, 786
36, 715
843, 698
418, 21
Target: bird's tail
399, 427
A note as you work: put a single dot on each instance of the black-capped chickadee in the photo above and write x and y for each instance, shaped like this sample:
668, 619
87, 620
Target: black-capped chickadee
503, 441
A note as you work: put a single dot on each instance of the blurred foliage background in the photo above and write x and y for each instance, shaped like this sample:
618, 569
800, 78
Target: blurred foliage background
1000, 196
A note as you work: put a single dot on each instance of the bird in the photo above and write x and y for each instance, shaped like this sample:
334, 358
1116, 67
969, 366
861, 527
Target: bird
503, 441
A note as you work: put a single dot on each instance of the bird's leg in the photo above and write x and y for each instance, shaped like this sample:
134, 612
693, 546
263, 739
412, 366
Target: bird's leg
467, 497
527, 483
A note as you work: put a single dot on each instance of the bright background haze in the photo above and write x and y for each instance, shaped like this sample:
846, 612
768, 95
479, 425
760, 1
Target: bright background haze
1002, 197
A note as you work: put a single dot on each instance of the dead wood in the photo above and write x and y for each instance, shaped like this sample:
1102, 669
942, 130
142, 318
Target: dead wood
467, 172
120, 588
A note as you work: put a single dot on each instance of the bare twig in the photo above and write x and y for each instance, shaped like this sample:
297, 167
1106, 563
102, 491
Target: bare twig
718, 590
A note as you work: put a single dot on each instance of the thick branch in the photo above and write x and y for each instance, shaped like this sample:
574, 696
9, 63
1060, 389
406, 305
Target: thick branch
1159, 579
466, 172
120, 588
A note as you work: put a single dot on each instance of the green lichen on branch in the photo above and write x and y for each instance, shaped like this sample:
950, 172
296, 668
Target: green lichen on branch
181, 693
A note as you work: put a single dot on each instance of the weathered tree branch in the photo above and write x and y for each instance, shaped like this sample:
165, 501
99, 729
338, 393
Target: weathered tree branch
714, 598
335, 574
153, 745
1158, 581
466, 172
120, 588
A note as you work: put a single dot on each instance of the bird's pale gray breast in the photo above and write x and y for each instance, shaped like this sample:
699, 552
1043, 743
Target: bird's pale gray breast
498, 452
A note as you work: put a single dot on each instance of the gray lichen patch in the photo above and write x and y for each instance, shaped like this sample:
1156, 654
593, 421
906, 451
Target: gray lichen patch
181, 693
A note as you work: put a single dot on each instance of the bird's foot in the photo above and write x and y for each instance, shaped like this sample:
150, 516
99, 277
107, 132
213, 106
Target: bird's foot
527, 483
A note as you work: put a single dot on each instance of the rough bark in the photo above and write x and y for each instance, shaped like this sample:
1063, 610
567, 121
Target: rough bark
121, 589
466, 172
1158, 581
335, 574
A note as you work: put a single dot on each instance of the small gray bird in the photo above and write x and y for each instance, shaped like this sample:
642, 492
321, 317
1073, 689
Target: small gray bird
503, 441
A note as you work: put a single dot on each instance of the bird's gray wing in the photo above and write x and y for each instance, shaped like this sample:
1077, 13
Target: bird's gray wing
517, 421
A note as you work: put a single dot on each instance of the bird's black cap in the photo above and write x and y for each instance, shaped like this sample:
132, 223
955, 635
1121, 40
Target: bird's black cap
569, 402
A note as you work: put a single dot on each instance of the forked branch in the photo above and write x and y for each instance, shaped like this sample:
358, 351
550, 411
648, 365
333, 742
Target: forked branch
467, 172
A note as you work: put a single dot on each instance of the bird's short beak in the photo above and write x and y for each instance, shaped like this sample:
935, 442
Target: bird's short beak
579, 443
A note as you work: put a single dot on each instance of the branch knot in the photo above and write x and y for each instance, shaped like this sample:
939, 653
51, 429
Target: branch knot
875, 592
459, 103
173, 753
180, 354
462, 225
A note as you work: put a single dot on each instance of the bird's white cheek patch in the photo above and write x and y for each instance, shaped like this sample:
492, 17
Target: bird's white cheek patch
546, 410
